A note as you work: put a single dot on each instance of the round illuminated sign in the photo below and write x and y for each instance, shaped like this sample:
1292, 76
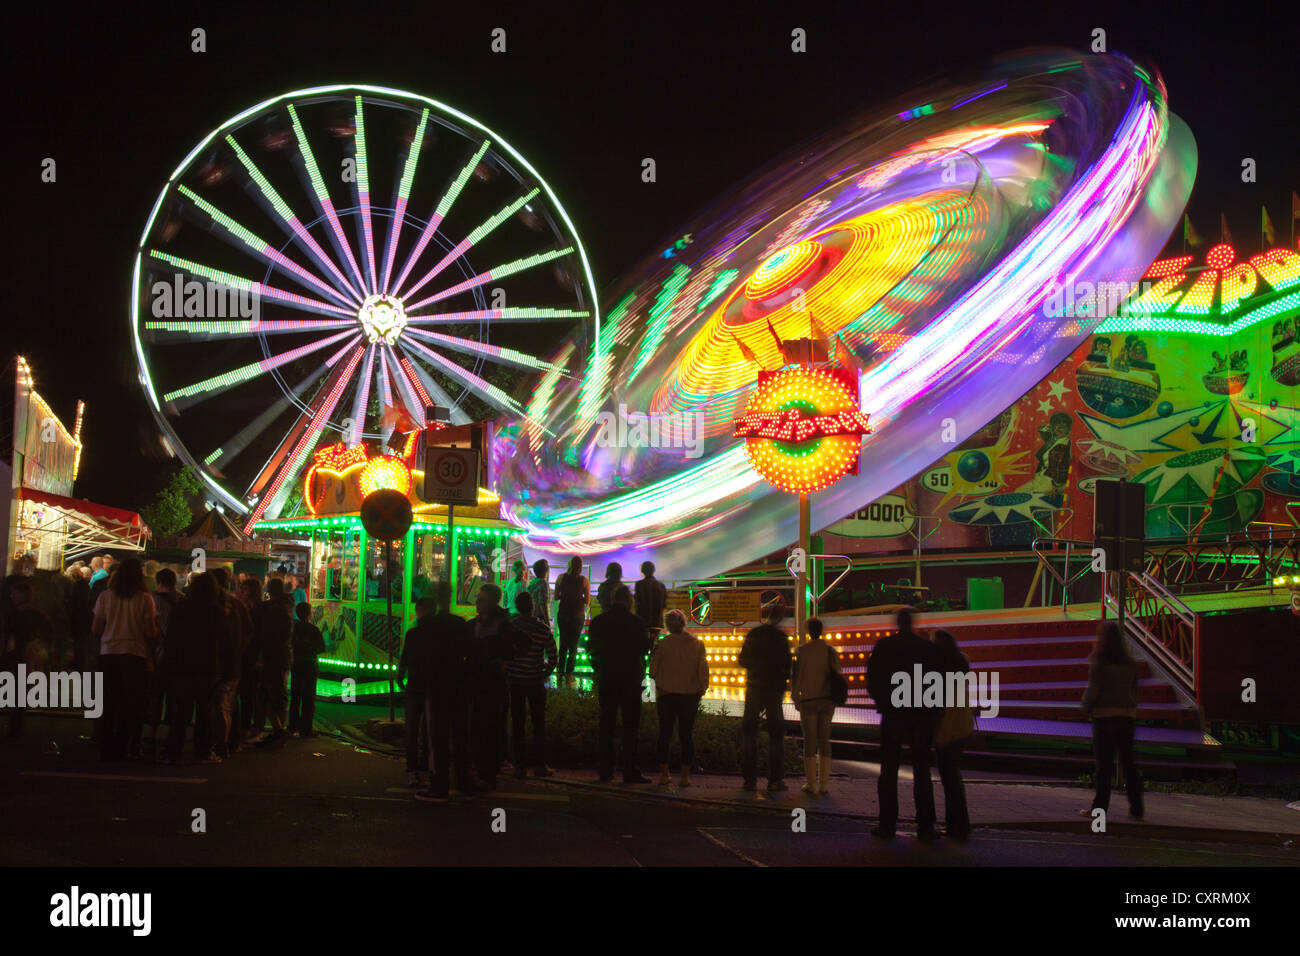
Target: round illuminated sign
384, 471
803, 428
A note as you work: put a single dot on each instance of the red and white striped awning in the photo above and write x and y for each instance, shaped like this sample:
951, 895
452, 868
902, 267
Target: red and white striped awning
84, 525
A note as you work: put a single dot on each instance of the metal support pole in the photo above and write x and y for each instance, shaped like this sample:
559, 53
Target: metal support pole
801, 580
449, 558
388, 587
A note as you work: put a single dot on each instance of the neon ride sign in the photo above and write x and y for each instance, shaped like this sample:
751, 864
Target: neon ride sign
803, 427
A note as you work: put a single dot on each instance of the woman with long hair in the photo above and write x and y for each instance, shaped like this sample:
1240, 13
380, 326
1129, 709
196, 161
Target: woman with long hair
810, 689
1111, 701
953, 730
125, 621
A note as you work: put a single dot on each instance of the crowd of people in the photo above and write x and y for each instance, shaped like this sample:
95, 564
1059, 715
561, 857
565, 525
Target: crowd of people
231, 656
221, 653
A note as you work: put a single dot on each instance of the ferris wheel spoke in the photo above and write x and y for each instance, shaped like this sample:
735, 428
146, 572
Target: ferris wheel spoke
230, 448
288, 220
402, 197
257, 289
260, 247
435, 391
201, 391
493, 353
480, 387
439, 213
483, 229
362, 400
200, 330
510, 314
362, 185
297, 457
415, 403
321, 198
499, 272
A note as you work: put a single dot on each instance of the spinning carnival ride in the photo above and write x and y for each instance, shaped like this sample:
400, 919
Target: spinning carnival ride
277, 305
920, 244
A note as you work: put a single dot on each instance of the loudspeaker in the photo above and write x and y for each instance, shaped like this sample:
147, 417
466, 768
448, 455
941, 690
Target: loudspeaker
1119, 513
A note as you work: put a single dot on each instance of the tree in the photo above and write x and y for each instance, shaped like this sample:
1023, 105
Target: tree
170, 512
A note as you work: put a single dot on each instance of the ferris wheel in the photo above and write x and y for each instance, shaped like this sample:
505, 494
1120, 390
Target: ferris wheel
278, 301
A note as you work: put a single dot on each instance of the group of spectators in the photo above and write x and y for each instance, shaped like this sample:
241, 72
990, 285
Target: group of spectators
217, 655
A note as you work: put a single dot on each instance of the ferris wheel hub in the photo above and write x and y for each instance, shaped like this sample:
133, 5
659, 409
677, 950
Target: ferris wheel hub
382, 318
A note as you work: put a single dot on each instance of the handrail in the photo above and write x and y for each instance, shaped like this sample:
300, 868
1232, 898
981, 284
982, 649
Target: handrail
1064, 580
1179, 672
848, 566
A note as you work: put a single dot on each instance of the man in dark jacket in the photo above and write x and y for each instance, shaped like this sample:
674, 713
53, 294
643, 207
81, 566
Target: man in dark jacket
493, 645
308, 645
192, 662
251, 711
417, 756
765, 656
440, 662
617, 643
273, 622
651, 598
899, 654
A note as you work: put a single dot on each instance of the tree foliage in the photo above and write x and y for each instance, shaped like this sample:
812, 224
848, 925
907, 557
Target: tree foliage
170, 512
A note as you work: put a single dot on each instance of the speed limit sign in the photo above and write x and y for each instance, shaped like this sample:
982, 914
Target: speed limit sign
451, 476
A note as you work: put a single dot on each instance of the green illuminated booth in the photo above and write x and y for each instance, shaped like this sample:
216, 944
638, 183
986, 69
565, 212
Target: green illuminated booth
347, 581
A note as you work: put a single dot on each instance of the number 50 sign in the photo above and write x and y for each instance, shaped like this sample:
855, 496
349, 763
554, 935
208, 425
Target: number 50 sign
451, 476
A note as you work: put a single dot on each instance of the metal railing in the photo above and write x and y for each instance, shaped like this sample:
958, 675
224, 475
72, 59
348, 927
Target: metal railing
1162, 625
1064, 578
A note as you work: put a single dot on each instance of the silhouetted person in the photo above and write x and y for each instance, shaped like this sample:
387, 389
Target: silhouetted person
225, 735
898, 654
192, 664
493, 645
24, 630
1111, 701
679, 665
441, 662
810, 688
125, 621
417, 756
534, 661
617, 643
651, 598
165, 599
765, 656
273, 620
572, 595
613, 580
948, 751
252, 713
308, 645
539, 589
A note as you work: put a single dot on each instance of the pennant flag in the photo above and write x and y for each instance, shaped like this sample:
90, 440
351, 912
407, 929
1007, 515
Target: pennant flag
1266, 227
1190, 235
1224, 234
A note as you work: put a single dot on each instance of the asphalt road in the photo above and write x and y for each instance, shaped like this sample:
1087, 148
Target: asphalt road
326, 802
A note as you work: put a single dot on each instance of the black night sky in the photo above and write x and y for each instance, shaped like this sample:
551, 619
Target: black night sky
117, 98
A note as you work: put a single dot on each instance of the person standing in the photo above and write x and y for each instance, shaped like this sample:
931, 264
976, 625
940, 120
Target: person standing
446, 659
125, 621
900, 653
415, 687
165, 599
492, 646
229, 652
651, 598
1111, 700
274, 620
618, 644
572, 595
308, 645
515, 586
810, 687
953, 730
613, 580
97, 570
25, 634
299, 594
679, 665
539, 589
192, 660
534, 661
765, 656
250, 668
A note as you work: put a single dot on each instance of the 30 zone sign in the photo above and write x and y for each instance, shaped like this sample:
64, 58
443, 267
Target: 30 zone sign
451, 476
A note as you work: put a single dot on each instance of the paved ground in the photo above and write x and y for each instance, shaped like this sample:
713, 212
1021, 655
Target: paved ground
326, 801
